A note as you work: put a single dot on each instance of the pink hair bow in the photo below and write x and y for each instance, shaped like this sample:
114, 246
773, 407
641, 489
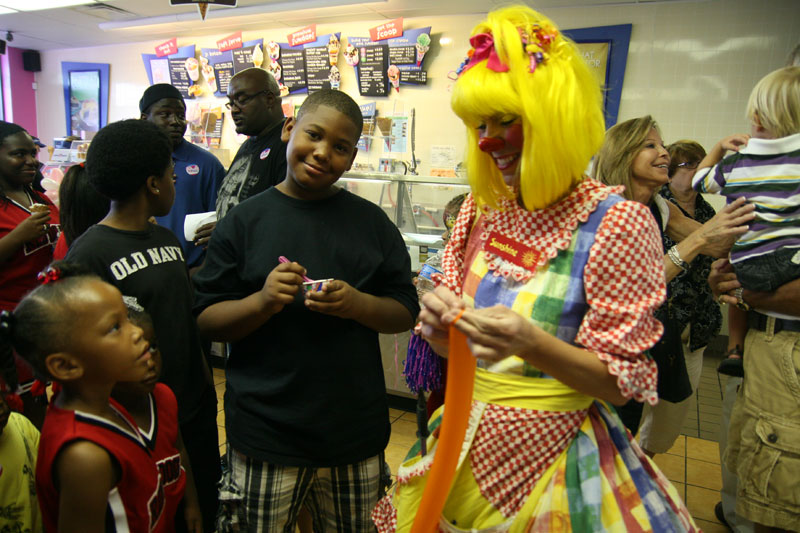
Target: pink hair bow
483, 46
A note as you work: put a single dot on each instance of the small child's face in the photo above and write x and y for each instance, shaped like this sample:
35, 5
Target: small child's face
449, 222
322, 147
146, 385
109, 346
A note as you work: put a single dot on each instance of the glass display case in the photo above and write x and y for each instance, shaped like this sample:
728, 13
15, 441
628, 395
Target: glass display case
416, 205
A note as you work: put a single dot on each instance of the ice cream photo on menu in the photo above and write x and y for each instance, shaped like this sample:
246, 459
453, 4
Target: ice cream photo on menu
193, 68
333, 50
335, 77
351, 55
394, 76
273, 50
258, 56
423, 44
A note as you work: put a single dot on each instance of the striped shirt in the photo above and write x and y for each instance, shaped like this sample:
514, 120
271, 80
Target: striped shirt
767, 173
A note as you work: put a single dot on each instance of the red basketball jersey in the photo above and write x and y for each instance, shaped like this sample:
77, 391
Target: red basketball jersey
136, 503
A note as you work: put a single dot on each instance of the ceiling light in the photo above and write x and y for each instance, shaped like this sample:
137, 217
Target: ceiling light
36, 5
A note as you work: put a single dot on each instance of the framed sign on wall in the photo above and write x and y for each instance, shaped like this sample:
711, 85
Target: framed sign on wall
85, 97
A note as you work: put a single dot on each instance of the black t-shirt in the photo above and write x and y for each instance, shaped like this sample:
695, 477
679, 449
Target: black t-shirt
260, 163
306, 389
148, 267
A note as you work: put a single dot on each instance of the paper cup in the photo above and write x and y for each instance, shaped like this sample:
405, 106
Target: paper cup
315, 285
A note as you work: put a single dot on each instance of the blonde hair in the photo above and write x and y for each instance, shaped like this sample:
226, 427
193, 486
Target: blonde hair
560, 106
776, 101
613, 164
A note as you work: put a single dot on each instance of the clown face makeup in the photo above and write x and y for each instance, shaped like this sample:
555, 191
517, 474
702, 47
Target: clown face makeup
502, 138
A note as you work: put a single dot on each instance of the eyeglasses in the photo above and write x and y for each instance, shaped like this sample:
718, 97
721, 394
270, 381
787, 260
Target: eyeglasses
689, 165
242, 99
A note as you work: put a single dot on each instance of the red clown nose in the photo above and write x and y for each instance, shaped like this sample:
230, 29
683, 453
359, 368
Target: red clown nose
491, 144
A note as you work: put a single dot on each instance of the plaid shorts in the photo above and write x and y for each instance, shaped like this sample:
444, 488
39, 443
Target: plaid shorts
264, 497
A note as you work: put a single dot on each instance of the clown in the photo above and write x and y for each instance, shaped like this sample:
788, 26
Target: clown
553, 279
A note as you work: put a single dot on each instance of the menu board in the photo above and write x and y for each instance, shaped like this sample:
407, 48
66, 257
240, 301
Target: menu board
179, 76
293, 64
402, 55
399, 57
225, 64
171, 69
317, 68
309, 66
413, 77
372, 66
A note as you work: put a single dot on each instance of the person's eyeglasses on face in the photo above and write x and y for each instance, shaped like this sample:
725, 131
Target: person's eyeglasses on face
242, 99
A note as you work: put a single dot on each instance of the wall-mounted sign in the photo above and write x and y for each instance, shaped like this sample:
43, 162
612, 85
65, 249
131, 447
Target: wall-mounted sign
387, 30
218, 67
180, 69
230, 42
387, 63
167, 48
303, 36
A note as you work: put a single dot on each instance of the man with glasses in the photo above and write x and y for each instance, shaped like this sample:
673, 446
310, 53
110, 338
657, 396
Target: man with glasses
255, 104
198, 172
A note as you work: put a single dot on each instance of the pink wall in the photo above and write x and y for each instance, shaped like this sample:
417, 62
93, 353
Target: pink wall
19, 97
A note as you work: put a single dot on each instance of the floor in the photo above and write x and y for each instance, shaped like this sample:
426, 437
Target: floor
692, 464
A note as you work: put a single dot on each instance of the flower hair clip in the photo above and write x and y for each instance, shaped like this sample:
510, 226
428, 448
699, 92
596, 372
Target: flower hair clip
537, 43
49, 275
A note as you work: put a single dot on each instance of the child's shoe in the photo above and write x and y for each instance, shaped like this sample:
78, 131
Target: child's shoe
733, 364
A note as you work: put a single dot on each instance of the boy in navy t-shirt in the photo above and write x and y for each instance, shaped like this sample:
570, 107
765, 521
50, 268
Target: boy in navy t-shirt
305, 404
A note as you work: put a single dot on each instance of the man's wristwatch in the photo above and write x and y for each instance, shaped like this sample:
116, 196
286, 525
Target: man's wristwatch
740, 303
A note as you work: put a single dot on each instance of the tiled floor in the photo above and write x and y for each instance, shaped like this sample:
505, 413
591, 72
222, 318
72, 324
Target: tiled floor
692, 464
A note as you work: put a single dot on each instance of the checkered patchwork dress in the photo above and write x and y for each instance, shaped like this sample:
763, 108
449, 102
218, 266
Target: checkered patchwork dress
538, 455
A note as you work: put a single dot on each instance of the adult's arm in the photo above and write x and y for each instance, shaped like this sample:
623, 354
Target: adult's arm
714, 238
785, 299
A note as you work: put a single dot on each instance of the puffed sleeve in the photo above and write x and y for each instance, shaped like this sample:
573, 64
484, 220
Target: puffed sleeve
624, 282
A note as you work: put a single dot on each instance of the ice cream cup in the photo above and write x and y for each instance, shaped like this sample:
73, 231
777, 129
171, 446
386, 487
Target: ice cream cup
193, 68
315, 285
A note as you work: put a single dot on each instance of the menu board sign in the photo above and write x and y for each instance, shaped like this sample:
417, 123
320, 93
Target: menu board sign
387, 30
317, 68
304, 36
307, 67
218, 67
391, 62
230, 42
372, 65
168, 48
174, 69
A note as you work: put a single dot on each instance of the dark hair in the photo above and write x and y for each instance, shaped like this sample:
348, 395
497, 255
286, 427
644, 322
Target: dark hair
684, 151
454, 205
139, 316
337, 100
7, 129
80, 205
124, 154
40, 325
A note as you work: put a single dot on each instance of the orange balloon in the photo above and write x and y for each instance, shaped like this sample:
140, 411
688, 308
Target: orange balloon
458, 402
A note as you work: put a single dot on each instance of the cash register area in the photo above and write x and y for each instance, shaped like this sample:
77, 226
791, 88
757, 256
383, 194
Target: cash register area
692, 465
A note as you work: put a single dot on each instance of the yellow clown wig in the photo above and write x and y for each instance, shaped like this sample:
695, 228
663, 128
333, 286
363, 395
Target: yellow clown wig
560, 105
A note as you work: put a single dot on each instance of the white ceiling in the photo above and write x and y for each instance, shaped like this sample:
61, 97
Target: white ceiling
76, 27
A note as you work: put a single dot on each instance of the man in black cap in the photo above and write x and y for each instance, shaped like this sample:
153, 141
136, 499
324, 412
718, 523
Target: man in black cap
255, 103
199, 174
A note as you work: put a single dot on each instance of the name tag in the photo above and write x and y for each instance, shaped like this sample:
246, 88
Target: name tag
512, 251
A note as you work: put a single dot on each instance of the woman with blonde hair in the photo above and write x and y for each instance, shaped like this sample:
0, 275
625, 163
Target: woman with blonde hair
633, 155
553, 279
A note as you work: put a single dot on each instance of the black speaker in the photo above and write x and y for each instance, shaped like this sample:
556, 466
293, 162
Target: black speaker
2, 46
31, 61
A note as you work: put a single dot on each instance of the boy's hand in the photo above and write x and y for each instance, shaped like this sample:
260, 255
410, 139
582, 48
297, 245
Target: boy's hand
281, 285
337, 298
203, 234
194, 519
734, 142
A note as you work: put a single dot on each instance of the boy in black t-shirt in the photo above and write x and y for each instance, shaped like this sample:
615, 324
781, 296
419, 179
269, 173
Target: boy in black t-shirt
305, 403
130, 162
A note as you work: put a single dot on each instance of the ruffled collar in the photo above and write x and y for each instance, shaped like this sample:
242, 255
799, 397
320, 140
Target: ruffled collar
515, 242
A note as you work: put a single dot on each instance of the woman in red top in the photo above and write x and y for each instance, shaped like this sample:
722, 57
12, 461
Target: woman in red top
29, 227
